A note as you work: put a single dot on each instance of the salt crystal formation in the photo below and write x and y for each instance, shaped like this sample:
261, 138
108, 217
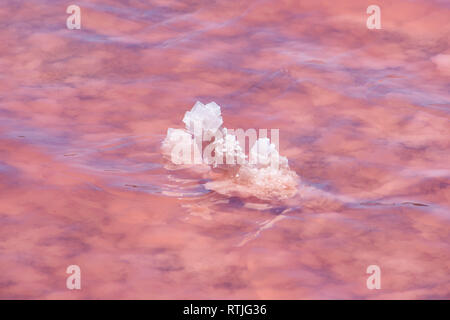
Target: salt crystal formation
176, 138
265, 175
264, 153
203, 116
228, 146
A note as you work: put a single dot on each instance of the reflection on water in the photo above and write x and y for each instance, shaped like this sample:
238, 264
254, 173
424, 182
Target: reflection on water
363, 117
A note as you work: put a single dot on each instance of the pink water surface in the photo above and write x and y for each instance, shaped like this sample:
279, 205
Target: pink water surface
363, 118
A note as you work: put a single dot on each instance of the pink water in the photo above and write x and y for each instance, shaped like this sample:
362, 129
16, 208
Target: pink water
363, 118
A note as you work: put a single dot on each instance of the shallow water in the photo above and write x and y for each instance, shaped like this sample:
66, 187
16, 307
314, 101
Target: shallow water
363, 118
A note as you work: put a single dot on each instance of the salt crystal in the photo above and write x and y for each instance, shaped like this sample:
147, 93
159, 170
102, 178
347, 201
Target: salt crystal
203, 117
177, 145
175, 136
264, 153
229, 146
266, 176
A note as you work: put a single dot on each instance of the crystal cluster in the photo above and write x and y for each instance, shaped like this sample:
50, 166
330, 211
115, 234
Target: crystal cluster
264, 174
228, 145
205, 116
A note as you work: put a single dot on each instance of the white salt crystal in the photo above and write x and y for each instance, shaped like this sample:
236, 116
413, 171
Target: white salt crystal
267, 176
178, 145
203, 117
263, 153
174, 136
229, 146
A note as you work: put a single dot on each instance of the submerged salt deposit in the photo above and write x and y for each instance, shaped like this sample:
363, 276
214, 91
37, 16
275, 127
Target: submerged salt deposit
264, 173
